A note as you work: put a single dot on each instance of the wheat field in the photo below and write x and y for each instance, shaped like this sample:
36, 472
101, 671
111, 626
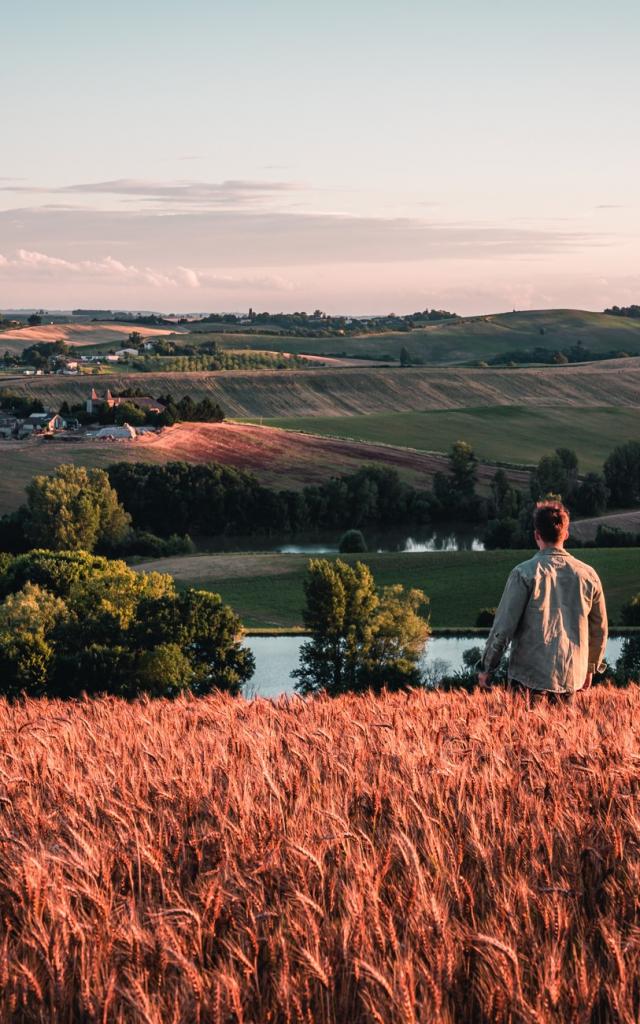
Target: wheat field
405, 858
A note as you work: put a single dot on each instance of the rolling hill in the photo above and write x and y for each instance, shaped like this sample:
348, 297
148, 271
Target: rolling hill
279, 458
506, 433
463, 340
76, 334
358, 391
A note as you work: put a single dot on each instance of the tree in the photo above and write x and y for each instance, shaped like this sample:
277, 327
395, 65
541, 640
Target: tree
590, 498
34, 320
506, 500
405, 358
622, 474
361, 639
74, 509
628, 664
463, 469
131, 414
74, 622
555, 474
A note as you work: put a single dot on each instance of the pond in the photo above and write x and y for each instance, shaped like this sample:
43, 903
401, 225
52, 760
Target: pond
419, 539
277, 656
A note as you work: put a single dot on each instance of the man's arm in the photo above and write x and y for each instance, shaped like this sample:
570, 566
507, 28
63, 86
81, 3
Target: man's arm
598, 630
508, 614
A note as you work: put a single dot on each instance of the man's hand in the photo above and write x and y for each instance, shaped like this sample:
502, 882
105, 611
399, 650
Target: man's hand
484, 680
588, 679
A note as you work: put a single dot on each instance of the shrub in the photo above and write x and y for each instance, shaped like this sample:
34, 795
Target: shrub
352, 542
630, 615
485, 617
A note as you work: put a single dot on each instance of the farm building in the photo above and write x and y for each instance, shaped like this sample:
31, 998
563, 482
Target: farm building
95, 402
42, 423
116, 433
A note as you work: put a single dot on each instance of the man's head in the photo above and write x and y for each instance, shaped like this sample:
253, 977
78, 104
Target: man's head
550, 524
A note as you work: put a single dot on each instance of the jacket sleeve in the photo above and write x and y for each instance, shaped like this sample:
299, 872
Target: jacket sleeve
598, 629
508, 614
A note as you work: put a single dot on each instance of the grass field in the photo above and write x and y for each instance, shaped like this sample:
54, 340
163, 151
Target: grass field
502, 433
409, 858
266, 589
470, 338
352, 391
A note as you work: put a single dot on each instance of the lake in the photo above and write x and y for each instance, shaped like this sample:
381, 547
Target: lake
452, 537
277, 656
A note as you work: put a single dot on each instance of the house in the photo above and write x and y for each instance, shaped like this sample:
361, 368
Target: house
42, 423
116, 433
124, 353
68, 366
9, 426
95, 402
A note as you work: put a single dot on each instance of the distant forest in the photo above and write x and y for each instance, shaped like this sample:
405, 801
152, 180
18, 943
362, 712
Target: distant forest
632, 311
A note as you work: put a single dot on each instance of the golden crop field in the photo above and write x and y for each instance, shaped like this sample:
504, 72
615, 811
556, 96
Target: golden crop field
407, 858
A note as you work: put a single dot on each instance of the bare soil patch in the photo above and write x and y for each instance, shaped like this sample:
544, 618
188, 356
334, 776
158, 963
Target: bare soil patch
75, 334
586, 529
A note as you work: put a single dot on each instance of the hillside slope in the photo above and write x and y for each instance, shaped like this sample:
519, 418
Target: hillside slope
468, 339
76, 334
349, 391
277, 457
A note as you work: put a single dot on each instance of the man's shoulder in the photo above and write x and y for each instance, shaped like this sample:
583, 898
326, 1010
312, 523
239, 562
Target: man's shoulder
582, 568
527, 568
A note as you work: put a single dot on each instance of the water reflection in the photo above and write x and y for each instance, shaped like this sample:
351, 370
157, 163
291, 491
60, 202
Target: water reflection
418, 540
277, 656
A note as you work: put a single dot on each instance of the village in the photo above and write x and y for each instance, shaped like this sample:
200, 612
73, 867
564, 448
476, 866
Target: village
49, 424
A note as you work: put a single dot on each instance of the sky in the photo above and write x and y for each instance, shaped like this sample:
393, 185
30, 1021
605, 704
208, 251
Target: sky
360, 157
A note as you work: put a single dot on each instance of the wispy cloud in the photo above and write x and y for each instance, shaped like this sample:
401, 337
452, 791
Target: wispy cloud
272, 238
230, 193
36, 266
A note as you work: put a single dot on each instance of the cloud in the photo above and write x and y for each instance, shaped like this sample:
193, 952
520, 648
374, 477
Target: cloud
269, 238
228, 193
36, 266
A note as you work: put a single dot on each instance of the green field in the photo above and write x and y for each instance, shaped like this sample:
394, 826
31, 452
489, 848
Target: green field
467, 339
501, 433
266, 589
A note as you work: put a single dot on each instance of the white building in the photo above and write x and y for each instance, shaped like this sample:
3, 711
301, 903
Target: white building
117, 433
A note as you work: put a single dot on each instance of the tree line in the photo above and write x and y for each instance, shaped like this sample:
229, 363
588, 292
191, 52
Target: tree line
618, 486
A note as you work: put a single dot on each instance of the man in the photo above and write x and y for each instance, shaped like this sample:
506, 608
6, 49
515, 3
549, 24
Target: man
552, 612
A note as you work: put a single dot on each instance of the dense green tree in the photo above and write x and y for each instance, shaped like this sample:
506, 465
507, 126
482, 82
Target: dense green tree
405, 358
463, 469
74, 622
555, 474
590, 496
360, 639
74, 509
627, 669
131, 414
622, 475
506, 501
